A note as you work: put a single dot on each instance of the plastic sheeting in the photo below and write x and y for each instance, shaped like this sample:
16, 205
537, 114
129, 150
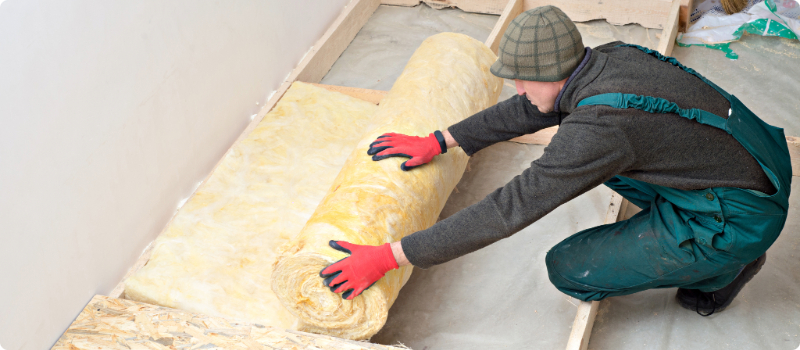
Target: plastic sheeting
713, 28
500, 297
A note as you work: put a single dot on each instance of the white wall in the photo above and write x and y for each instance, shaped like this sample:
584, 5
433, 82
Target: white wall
112, 112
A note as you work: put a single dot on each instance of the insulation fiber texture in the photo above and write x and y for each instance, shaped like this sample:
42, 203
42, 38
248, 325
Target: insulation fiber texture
216, 255
446, 80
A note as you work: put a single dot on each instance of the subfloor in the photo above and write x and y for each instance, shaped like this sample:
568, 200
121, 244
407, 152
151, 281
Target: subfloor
500, 297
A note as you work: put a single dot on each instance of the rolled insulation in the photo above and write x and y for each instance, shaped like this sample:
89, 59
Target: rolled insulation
216, 255
446, 80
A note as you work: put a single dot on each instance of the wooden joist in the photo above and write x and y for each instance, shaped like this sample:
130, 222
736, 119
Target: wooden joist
670, 30
684, 18
649, 14
587, 310
493, 7
512, 10
662, 14
109, 323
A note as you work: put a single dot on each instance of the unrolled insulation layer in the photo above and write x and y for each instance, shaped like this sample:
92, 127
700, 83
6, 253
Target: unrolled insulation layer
216, 255
446, 80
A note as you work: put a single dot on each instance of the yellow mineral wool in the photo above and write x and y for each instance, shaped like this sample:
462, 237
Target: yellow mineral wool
216, 256
445, 81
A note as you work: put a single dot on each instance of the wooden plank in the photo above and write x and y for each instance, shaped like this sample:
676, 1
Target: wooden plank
330, 46
374, 96
109, 323
687, 6
401, 2
584, 319
667, 41
794, 151
512, 10
648, 13
493, 7
582, 326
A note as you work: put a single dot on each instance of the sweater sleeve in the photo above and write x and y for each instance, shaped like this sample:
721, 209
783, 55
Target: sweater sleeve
506, 120
584, 153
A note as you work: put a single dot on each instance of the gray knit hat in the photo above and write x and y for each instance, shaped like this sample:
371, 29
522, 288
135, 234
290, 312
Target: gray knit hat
541, 44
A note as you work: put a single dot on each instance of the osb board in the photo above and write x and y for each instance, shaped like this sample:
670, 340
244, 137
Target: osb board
108, 323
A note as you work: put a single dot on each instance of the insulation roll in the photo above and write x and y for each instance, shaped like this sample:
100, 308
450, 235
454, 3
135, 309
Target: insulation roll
446, 80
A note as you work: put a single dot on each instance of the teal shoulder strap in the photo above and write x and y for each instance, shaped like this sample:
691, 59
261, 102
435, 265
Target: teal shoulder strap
655, 105
674, 62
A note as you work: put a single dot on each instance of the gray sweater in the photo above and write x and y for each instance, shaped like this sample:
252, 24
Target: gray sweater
593, 144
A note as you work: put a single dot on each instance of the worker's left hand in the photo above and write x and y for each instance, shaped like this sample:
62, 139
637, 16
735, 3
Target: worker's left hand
359, 271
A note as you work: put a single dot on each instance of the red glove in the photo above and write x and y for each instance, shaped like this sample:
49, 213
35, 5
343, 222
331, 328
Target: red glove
420, 149
359, 271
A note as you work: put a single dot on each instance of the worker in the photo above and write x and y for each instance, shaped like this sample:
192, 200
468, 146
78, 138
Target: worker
711, 178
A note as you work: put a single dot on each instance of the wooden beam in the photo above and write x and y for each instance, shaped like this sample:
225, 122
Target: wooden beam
401, 2
794, 152
584, 319
512, 10
330, 46
492, 7
684, 19
667, 41
374, 96
648, 13
582, 326
109, 323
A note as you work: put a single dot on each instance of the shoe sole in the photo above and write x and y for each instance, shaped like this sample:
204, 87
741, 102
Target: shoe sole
747, 277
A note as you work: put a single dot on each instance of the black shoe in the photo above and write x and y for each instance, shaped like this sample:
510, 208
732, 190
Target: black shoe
707, 303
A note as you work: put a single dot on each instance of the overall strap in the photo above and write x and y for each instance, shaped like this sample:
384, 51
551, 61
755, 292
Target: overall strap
674, 62
655, 105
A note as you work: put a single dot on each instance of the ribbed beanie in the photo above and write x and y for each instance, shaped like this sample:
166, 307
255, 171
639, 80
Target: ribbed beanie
541, 44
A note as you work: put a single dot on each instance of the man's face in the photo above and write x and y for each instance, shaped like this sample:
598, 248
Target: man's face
542, 94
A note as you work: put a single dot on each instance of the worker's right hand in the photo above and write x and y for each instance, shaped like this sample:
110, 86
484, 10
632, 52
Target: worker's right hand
359, 271
421, 150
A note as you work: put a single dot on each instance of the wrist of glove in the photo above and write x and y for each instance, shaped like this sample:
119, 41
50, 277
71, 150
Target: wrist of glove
421, 150
359, 271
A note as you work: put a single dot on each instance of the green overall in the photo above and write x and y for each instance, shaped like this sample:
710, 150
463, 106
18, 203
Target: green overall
698, 239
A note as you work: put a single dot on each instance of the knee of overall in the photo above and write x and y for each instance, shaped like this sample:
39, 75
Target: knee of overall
556, 278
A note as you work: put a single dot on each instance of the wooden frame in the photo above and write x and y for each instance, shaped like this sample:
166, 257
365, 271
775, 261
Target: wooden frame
657, 14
